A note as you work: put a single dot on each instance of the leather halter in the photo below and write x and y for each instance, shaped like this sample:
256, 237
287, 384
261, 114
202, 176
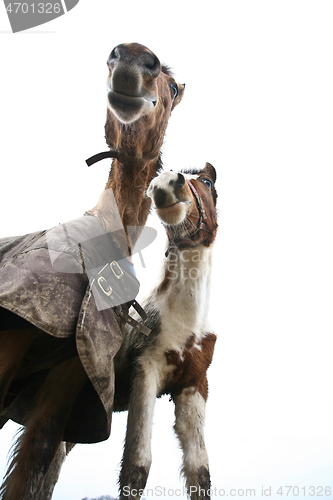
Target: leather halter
201, 226
101, 156
118, 156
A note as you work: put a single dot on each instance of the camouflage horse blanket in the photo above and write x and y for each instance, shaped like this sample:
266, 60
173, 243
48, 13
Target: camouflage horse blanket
69, 282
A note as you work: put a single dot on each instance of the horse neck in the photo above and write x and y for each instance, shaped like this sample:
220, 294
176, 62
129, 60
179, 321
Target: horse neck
186, 279
123, 204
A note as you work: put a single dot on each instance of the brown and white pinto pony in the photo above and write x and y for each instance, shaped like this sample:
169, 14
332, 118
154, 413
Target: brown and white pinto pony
141, 96
175, 357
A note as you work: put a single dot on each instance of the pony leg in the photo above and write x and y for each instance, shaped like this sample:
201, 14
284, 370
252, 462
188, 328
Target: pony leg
189, 427
41, 439
137, 451
53, 473
13, 346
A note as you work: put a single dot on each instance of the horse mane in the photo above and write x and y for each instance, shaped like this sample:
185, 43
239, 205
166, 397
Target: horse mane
191, 171
167, 70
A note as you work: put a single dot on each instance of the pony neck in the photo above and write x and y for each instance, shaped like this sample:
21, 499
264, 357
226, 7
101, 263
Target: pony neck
186, 278
192, 264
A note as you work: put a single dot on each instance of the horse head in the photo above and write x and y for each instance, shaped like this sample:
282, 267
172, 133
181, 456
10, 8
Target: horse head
186, 204
141, 95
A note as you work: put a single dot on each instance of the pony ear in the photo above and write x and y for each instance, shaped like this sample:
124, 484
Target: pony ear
210, 170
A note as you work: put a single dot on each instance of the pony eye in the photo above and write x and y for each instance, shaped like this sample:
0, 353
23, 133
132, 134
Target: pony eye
174, 89
207, 182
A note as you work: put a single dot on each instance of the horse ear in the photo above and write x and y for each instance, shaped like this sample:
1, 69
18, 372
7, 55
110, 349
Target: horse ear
210, 170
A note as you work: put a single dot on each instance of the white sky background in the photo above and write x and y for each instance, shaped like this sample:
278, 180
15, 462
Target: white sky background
259, 107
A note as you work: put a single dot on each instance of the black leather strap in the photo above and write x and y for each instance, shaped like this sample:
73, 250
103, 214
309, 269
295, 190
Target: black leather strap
123, 314
101, 156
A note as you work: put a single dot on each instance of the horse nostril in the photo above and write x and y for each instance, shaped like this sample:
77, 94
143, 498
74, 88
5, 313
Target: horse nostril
179, 183
113, 56
151, 64
160, 197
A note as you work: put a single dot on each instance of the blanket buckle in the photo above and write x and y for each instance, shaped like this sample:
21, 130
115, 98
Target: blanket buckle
116, 267
107, 291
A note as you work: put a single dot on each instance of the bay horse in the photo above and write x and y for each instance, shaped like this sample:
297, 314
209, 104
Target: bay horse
56, 360
175, 357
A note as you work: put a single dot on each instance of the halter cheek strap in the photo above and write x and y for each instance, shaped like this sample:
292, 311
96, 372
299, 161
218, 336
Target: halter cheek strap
202, 226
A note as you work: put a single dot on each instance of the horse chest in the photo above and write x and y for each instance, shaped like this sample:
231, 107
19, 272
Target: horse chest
178, 363
183, 309
178, 354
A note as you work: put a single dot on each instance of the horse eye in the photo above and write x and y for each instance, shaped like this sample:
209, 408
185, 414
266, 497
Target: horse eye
207, 182
174, 88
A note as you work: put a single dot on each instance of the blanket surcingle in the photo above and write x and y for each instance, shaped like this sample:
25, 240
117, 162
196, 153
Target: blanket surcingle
59, 281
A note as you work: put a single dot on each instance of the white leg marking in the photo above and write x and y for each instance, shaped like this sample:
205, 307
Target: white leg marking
189, 427
140, 418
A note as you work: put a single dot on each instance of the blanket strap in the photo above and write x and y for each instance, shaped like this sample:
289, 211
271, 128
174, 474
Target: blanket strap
122, 313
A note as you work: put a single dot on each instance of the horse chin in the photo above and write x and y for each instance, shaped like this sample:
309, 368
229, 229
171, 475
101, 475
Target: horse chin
172, 215
128, 109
